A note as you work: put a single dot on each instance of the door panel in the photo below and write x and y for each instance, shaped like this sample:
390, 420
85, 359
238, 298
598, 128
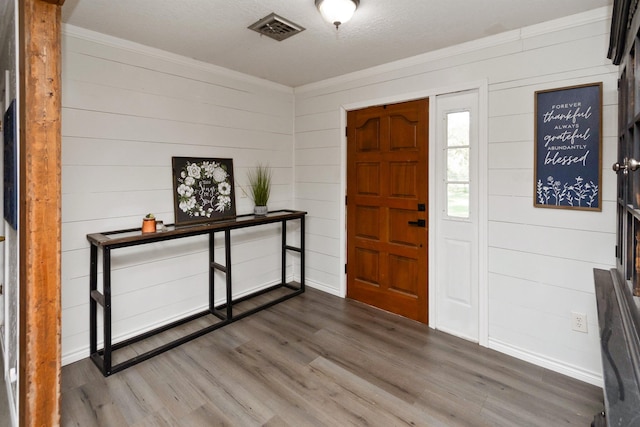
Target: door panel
457, 229
386, 181
458, 275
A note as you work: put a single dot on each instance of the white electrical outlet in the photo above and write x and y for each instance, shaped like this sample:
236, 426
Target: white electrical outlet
578, 322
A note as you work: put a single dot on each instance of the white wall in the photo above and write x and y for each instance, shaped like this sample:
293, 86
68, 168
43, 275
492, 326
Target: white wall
540, 261
127, 110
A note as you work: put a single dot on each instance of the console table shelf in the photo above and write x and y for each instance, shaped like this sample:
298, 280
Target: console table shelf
107, 241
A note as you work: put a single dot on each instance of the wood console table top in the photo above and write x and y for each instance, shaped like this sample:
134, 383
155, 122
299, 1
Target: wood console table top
134, 236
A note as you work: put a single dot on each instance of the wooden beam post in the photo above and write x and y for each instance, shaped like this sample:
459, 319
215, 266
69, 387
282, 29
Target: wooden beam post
40, 213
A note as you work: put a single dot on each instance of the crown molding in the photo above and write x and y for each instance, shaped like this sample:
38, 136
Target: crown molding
69, 30
568, 22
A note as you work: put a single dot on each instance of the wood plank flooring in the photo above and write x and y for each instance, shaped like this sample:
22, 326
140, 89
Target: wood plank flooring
319, 360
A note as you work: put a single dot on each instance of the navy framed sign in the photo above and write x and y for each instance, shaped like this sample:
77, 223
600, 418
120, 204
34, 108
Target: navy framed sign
568, 148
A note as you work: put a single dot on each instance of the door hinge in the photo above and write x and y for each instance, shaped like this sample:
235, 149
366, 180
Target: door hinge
1, 289
345, 269
346, 131
345, 200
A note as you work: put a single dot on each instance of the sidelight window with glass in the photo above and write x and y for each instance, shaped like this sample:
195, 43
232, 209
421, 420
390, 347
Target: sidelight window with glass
457, 164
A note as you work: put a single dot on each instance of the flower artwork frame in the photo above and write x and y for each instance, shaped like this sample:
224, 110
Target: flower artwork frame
568, 148
203, 189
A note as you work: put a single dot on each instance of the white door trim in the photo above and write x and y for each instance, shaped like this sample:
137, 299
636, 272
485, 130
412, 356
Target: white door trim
483, 214
482, 86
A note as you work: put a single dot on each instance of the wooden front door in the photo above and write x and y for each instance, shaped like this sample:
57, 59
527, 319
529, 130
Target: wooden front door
387, 207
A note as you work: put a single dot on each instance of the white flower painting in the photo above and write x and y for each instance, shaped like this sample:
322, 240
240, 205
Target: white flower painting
203, 189
576, 194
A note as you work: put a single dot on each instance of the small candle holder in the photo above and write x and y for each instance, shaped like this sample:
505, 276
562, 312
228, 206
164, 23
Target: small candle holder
149, 224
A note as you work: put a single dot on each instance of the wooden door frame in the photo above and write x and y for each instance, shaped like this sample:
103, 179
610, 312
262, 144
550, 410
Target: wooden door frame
39, 228
482, 86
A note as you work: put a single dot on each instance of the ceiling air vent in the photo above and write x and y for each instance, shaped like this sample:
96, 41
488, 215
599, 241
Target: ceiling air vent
276, 27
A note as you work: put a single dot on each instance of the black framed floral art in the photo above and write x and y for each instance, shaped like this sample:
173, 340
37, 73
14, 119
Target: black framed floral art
203, 189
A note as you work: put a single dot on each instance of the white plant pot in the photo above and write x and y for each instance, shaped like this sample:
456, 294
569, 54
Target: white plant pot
260, 210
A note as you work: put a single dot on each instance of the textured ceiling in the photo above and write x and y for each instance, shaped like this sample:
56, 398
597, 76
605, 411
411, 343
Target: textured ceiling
381, 31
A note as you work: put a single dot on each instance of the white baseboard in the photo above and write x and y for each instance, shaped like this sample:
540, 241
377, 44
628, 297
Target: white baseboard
594, 378
75, 356
458, 334
83, 352
324, 288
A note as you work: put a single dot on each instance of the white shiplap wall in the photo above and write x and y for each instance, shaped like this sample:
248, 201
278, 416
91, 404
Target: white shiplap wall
127, 110
540, 261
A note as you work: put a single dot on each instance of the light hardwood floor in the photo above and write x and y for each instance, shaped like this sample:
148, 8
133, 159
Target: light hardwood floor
319, 360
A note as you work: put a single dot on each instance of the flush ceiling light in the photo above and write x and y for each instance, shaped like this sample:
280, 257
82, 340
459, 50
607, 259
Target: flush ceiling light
337, 12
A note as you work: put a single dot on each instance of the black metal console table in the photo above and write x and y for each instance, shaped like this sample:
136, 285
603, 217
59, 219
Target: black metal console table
108, 241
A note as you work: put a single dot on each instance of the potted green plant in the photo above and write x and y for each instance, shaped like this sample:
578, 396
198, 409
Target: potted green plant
260, 188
